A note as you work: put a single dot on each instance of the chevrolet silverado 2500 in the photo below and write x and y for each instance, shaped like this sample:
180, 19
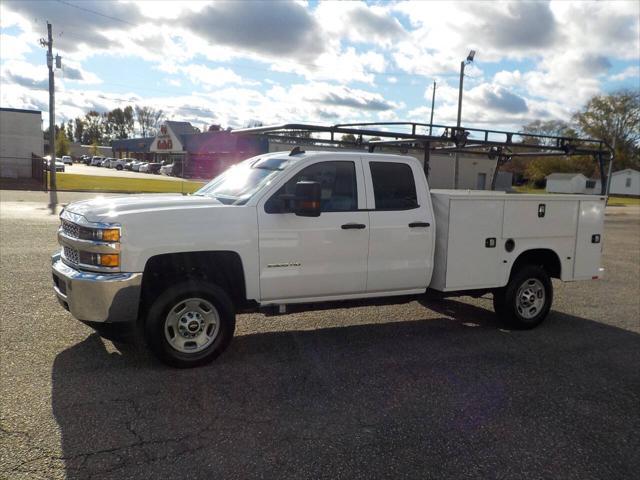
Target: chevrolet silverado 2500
308, 227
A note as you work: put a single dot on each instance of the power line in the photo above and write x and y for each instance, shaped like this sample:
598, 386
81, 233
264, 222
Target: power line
96, 13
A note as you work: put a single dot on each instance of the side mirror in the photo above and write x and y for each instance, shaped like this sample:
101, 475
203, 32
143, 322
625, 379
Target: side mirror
307, 203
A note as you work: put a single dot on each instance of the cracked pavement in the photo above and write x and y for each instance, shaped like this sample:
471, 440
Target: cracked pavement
391, 391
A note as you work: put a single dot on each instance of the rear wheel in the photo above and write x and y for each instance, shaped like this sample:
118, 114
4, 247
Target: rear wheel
119, 167
526, 300
190, 324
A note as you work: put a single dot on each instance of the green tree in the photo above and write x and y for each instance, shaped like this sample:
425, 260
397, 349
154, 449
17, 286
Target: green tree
94, 148
615, 119
79, 129
119, 123
62, 143
93, 128
69, 131
348, 138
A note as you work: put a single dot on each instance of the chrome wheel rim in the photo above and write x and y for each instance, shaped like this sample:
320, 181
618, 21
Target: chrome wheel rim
192, 325
530, 298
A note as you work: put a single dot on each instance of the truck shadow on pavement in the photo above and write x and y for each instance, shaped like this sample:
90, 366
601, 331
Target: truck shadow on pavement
417, 399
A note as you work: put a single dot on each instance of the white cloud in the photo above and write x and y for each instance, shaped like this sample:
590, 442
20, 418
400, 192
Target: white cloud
629, 72
212, 77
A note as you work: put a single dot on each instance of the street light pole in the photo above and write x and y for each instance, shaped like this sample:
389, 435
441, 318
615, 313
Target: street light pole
456, 166
53, 200
433, 102
462, 65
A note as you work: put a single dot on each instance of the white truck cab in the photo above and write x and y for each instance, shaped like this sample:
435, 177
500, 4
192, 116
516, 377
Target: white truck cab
309, 227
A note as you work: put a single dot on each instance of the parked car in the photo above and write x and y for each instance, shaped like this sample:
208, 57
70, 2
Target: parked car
59, 165
143, 167
96, 161
154, 168
86, 159
301, 227
118, 163
67, 160
167, 169
105, 162
135, 165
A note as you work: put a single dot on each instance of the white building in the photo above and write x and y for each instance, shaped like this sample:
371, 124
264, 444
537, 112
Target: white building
625, 182
566, 183
573, 183
20, 137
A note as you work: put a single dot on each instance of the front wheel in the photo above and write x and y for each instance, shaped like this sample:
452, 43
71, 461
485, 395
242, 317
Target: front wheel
190, 324
119, 167
526, 300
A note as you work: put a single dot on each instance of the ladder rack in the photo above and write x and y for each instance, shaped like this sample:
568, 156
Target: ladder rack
433, 138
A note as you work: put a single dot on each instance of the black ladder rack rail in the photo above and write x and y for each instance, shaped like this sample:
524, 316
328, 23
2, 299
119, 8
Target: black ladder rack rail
499, 144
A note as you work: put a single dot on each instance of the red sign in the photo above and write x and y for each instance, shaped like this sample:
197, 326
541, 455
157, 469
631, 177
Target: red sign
164, 140
165, 144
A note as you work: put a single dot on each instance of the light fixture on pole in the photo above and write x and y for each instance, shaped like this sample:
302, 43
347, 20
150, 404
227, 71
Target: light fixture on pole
463, 64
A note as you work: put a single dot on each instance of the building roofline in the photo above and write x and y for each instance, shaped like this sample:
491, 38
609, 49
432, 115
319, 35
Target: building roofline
20, 110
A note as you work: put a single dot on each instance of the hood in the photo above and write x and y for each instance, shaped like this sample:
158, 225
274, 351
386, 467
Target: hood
110, 209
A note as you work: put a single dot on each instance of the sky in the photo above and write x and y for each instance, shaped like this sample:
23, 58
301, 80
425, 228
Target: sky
236, 63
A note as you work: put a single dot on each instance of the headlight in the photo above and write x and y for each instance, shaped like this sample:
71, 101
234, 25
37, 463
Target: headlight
109, 234
99, 234
100, 259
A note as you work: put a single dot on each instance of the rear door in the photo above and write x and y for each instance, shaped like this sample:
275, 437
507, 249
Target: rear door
401, 226
316, 257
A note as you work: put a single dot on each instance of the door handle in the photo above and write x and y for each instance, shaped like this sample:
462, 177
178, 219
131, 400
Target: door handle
353, 226
419, 224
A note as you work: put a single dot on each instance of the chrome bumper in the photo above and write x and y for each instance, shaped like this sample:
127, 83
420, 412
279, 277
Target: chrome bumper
96, 297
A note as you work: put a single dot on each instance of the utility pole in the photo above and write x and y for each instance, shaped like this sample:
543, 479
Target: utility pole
433, 102
53, 200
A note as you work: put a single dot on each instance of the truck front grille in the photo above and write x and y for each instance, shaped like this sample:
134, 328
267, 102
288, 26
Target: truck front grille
71, 255
71, 229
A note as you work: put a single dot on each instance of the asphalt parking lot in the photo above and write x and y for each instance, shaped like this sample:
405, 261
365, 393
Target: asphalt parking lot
398, 391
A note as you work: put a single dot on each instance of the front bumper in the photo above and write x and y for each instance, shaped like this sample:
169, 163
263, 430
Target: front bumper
96, 297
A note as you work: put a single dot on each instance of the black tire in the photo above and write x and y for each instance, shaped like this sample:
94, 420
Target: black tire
519, 312
119, 167
154, 324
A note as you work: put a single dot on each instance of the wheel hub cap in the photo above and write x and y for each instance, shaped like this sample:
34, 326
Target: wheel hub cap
192, 325
530, 299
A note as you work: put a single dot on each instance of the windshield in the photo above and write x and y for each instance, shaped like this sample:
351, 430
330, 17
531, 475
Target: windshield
236, 185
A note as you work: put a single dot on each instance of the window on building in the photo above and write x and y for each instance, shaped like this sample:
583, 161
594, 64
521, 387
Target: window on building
591, 184
337, 184
627, 182
393, 186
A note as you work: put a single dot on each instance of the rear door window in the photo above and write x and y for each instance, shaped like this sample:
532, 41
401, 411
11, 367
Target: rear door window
394, 187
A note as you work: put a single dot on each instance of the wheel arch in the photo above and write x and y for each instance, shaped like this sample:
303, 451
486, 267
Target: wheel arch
223, 268
544, 257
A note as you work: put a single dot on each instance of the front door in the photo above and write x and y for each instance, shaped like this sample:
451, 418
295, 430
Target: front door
316, 257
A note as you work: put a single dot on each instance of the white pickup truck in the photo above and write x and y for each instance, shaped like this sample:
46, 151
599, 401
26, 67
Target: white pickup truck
308, 227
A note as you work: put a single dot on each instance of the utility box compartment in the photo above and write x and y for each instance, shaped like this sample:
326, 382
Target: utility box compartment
480, 234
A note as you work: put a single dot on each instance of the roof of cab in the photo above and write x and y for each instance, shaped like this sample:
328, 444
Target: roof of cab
342, 153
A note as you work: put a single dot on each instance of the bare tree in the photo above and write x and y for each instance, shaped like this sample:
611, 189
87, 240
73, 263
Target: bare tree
616, 119
148, 119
